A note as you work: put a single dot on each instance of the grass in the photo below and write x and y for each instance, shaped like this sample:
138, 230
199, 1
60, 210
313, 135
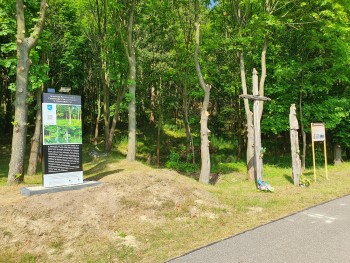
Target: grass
241, 207
238, 207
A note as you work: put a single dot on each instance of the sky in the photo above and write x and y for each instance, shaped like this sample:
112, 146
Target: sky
213, 3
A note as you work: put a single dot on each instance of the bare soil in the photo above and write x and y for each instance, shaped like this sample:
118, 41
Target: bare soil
115, 222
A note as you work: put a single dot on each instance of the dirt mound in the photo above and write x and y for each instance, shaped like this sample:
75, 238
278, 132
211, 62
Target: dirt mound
79, 226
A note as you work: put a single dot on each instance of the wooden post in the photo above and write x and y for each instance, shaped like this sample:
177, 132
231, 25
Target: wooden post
257, 130
258, 161
294, 142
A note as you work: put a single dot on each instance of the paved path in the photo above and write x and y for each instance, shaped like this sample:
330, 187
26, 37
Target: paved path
318, 234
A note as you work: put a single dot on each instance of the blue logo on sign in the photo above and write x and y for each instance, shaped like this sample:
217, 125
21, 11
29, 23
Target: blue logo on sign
49, 107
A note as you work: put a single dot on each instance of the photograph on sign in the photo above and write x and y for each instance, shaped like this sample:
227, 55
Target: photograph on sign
62, 124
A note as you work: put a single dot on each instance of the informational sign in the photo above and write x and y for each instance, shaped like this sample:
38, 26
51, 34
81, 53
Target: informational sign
62, 140
318, 134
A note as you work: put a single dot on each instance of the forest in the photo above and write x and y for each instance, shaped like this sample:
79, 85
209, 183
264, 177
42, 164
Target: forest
163, 78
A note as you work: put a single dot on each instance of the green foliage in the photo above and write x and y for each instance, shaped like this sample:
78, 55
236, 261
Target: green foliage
8, 59
304, 181
175, 162
83, 43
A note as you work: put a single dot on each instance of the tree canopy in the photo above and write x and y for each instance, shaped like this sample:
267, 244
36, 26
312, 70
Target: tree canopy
94, 47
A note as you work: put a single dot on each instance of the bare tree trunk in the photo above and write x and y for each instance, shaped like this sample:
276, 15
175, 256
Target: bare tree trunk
205, 155
250, 125
258, 155
263, 75
294, 141
337, 154
35, 147
131, 155
24, 46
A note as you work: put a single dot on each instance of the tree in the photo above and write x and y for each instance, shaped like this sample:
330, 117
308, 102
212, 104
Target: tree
24, 46
204, 131
129, 47
311, 62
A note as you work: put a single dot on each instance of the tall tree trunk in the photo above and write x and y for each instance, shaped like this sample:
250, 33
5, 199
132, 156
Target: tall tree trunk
337, 154
249, 117
24, 46
131, 155
294, 142
35, 147
263, 75
204, 176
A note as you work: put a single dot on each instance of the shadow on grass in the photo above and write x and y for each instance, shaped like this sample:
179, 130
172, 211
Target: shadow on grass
99, 176
288, 178
214, 178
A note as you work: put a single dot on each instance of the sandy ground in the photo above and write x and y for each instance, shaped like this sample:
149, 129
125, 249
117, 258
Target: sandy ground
77, 226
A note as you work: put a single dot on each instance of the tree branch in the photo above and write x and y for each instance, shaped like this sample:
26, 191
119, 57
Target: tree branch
38, 28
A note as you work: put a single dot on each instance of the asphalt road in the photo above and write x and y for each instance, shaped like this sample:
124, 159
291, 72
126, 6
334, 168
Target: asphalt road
319, 234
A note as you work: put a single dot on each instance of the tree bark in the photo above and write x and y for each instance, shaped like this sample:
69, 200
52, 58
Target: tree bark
131, 155
204, 176
249, 117
337, 154
263, 76
24, 46
294, 142
35, 147
258, 155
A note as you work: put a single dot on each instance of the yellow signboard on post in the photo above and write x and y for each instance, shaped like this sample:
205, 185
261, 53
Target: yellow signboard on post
318, 134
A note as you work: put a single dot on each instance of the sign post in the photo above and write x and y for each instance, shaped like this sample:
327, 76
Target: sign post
318, 134
62, 140
258, 154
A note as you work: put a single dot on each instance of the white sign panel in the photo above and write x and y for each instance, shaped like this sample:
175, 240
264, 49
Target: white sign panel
318, 132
